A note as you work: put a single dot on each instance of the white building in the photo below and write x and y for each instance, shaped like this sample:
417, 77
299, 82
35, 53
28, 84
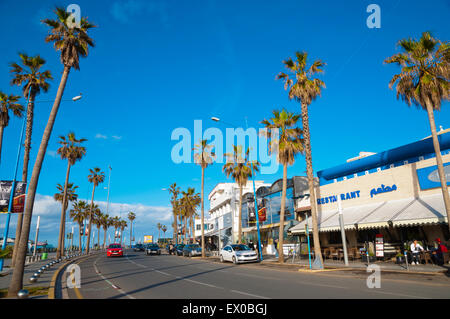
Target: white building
221, 226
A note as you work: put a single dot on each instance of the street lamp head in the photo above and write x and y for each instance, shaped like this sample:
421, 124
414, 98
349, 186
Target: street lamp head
216, 119
76, 98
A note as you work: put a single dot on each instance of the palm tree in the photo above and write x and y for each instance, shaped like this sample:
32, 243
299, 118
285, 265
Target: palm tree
239, 168
71, 150
96, 177
33, 80
189, 204
65, 196
424, 82
72, 41
175, 191
305, 89
159, 230
98, 223
164, 229
122, 226
203, 157
8, 103
105, 223
115, 224
29, 76
289, 143
131, 218
79, 213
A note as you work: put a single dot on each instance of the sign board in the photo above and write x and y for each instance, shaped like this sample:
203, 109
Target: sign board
379, 246
19, 196
148, 239
429, 177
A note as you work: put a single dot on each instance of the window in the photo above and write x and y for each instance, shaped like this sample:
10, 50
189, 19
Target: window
199, 227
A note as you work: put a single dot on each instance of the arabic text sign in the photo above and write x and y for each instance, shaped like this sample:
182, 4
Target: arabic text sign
429, 176
382, 189
19, 196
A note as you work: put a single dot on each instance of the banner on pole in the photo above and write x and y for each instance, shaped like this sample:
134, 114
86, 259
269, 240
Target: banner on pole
18, 199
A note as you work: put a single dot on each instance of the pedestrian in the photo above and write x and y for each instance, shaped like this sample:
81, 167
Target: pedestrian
415, 250
439, 252
275, 243
251, 245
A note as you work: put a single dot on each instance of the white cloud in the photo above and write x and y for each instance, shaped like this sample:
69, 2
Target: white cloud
117, 137
125, 11
98, 135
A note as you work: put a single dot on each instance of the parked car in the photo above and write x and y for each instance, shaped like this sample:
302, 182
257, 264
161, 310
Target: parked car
238, 254
192, 250
114, 250
153, 249
179, 249
139, 247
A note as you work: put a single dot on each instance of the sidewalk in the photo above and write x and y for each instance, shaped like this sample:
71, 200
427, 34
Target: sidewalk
303, 263
43, 281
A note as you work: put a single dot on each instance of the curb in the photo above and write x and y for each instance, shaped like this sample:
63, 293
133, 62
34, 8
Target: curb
51, 290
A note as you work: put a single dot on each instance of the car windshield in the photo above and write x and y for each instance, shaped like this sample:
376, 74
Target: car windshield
153, 246
114, 246
240, 247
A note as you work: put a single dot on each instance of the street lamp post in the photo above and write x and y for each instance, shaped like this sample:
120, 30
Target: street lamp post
216, 119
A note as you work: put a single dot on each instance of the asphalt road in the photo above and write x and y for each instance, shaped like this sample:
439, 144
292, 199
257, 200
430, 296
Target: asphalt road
137, 276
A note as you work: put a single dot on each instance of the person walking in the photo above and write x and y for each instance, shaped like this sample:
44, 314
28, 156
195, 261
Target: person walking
415, 250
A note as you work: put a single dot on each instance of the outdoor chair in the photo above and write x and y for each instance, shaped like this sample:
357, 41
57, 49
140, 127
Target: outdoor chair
334, 253
425, 256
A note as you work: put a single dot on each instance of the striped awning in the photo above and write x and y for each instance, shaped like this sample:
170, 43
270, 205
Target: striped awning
426, 210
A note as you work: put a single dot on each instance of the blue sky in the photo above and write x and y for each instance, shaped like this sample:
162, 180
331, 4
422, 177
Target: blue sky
160, 65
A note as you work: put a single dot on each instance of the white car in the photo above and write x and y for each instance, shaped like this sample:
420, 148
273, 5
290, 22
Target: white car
238, 254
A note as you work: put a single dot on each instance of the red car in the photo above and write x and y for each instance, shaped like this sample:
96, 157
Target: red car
114, 250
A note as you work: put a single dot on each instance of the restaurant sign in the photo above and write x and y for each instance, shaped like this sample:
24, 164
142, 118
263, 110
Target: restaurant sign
429, 177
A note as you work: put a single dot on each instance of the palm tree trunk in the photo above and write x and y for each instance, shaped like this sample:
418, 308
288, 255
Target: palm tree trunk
131, 231
440, 165
98, 237
90, 221
203, 212
175, 228
17, 276
193, 229
283, 204
240, 216
185, 230
310, 176
62, 225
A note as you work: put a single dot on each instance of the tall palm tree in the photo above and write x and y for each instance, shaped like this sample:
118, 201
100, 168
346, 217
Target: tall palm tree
73, 42
164, 229
189, 204
71, 150
131, 218
303, 88
8, 103
96, 177
28, 74
159, 225
203, 157
424, 82
78, 214
289, 143
239, 168
105, 223
98, 223
65, 196
175, 191
115, 224
123, 224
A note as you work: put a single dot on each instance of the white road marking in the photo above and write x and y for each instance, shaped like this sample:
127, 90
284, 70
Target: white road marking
247, 294
109, 282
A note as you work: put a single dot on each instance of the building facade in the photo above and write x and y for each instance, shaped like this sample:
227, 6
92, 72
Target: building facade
394, 194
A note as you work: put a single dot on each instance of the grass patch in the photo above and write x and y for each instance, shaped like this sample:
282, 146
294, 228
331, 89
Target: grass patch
34, 291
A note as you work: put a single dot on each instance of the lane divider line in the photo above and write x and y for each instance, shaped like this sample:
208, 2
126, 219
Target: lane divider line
109, 282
